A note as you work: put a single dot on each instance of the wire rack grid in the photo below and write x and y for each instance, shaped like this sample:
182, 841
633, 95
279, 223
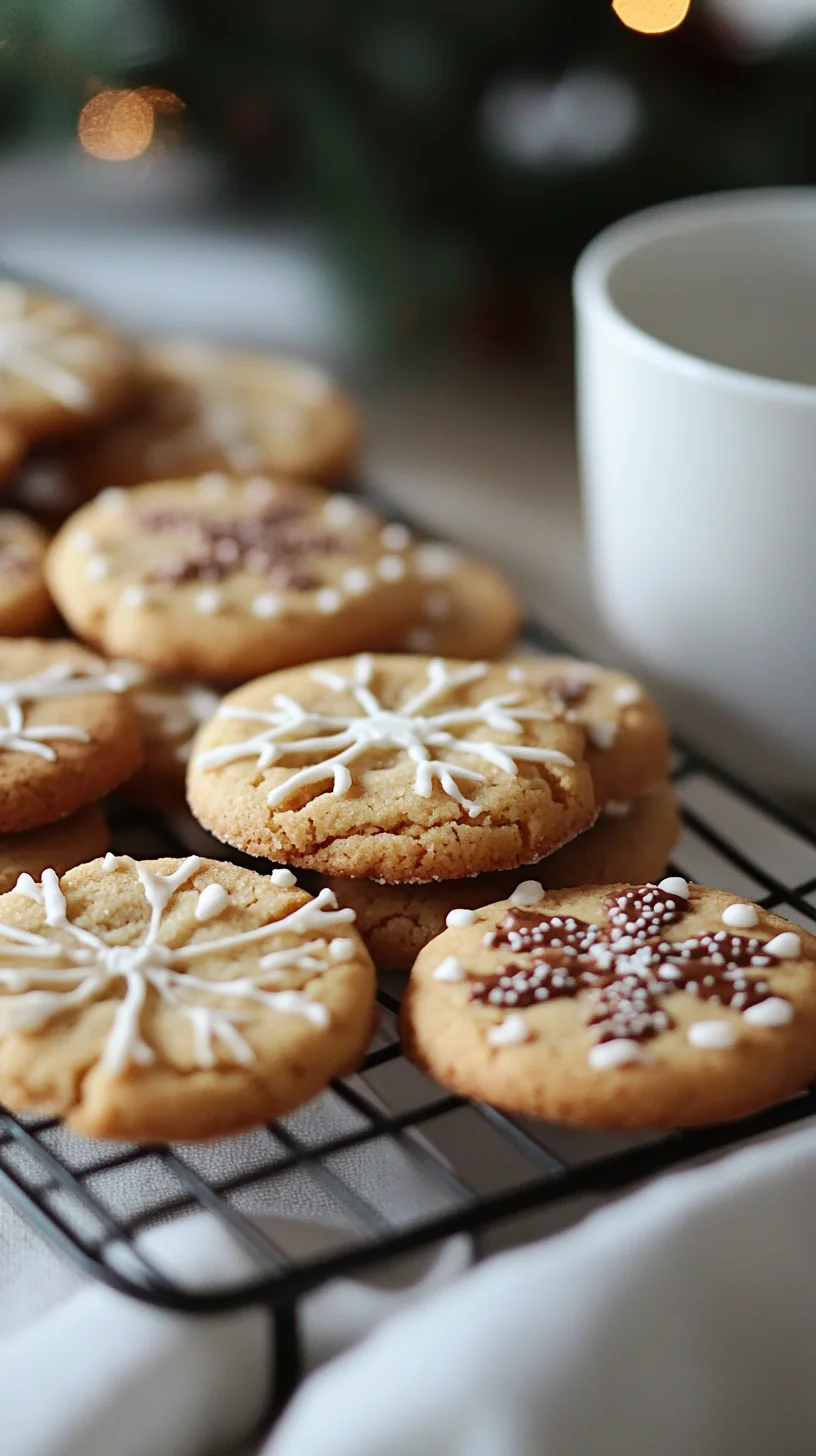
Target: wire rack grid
394, 1163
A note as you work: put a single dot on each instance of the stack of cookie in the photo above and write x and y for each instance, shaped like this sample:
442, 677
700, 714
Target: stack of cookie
425, 787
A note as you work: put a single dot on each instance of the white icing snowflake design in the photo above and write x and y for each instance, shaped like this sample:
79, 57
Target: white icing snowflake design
47, 979
60, 680
43, 341
338, 740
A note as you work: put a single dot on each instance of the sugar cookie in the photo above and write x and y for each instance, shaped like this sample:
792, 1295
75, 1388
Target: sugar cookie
25, 605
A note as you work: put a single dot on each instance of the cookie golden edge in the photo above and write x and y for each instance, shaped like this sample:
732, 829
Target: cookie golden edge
444, 1038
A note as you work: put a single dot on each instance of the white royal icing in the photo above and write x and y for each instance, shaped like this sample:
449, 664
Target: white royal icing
342, 949
602, 735
97, 568
450, 969
60, 680
607, 1055
787, 946
284, 879
675, 885
616, 808
134, 596
344, 737
212, 900
266, 604
510, 1032
40, 338
47, 977
113, 498
776, 1011
627, 694
529, 892
740, 917
340, 511
712, 1035
455, 919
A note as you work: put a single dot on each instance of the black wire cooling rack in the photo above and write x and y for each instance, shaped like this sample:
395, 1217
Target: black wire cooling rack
392, 1162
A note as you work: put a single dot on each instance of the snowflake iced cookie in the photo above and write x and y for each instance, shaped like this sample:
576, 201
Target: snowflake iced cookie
617, 1006
68, 732
61, 368
68, 842
468, 610
396, 768
227, 577
25, 605
397, 921
175, 999
203, 409
627, 739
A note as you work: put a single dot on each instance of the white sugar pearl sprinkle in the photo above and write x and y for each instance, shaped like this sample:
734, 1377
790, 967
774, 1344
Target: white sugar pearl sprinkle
675, 885
450, 969
627, 694
356, 581
328, 601
395, 537
97, 568
266, 604
787, 946
134, 596
529, 892
618, 1053
284, 879
602, 735
339, 511
212, 900
712, 1035
390, 568
83, 540
510, 1032
455, 919
207, 602
342, 949
114, 498
740, 916
776, 1011
516, 674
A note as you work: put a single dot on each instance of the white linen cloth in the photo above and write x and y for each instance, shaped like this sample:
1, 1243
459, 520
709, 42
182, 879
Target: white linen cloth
680, 1322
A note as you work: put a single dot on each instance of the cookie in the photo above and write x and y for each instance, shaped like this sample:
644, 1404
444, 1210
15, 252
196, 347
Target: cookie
69, 842
171, 710
396, 921
395, 768
617, 1006
68, 732
627, 739
12, 448
469, 610
175, 999
25, 604
224, 578
61, 368
208, 409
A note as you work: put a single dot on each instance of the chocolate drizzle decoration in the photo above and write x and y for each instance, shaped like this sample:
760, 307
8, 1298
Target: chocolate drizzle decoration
270, 543
626, 968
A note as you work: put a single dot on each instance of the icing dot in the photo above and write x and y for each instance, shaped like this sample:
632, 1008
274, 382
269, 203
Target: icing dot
616, 808
457, 918
450, 969
207, 601
27, 886
740, 916
627, 694
113, 498
433, 561
213, 485
97, 568
510, 1032
284, 879
83, 540
395, 537
356, 581
340, 511
420, 639
266, 605
602, 735
675, 885
328, 601
773, 1012
516, 674
212, 900
438, 606
390, 568
110, 862
529, 892
712, 1035
134, 596
609, 1054
787, 946
342, 949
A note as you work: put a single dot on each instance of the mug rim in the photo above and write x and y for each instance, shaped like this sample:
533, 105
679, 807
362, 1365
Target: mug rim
593, 270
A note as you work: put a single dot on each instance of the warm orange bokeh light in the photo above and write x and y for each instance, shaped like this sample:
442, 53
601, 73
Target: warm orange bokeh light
116, 126
653, 17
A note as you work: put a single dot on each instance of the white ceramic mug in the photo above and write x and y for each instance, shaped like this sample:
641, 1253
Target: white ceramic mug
696, 332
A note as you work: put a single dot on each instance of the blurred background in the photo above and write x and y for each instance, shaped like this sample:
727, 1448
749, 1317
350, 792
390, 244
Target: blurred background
399, 190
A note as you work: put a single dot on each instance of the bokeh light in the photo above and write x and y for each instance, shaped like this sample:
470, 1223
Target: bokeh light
116, 126
652, 17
